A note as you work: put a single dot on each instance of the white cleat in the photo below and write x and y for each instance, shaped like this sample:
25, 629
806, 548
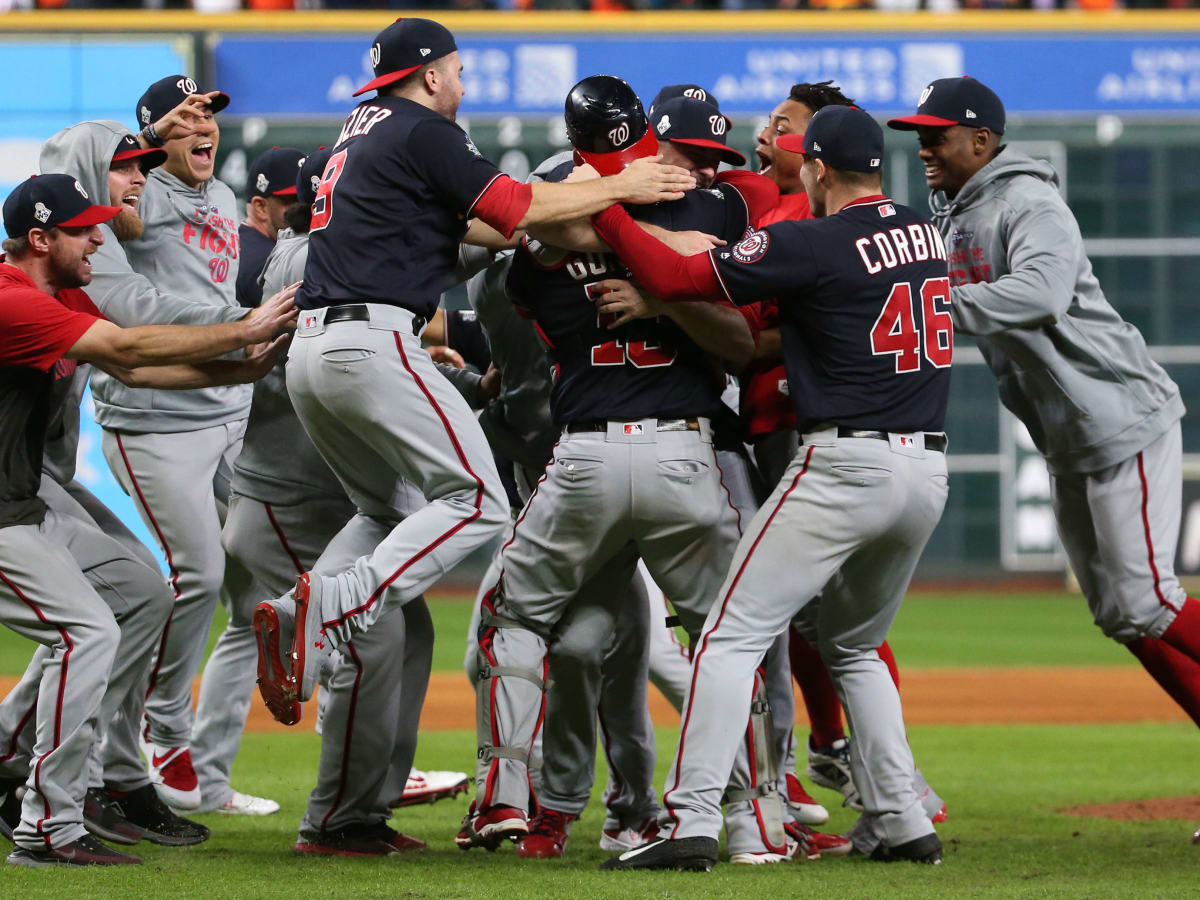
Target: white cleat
245, 805
432, 786
767, 857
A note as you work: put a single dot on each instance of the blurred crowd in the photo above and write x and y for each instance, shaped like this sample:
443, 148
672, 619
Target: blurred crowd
599, 5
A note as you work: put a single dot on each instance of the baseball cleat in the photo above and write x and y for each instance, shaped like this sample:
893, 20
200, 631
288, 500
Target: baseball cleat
310, 642
144, 809
547, 838
101, 818
10, 805
802, 805
87, 851
490, 827
364, 840
430, 787
273, 626
830, 768
925, 849
623, 839
940, 816
794, 850
694, 854
817, 844
173, 775
240, 804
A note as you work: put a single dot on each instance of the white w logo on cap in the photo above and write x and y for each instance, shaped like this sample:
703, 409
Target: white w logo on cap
375, 53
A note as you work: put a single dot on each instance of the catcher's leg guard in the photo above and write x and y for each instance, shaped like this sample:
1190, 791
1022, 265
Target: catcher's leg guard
753, 780
510, 703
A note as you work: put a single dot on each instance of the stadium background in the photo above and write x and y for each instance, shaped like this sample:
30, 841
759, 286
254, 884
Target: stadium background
1112, 100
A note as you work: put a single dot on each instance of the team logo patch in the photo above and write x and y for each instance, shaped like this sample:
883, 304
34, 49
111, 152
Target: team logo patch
633, 428
375, 53
695, 93
82, 192
41, 212
717, 124
262, 182
425, 51
619, 135
887, 210
186, 85
925, 95
663, 125
145, 114
315, 183
752, 247
471, 146
971, 114
310, 321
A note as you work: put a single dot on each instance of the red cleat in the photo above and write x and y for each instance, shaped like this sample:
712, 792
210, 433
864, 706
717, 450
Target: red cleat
547, 838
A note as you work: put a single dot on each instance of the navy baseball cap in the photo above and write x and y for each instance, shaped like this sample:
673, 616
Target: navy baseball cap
844, 137
692, 91
273, 174
52, 201
955, 101
308, 180
129, 148
682, 120
167, 93
405, 46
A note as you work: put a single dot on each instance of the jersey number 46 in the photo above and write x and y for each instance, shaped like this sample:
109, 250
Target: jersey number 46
895, 331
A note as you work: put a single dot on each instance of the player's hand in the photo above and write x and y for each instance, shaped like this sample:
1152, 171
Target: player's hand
489, 385
647, 180
187, 118
689, 243
584, 172
617, 297
447, 357
261, 358
274, 316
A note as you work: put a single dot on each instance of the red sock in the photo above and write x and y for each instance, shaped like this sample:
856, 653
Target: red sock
889, 658
820, 697
1176, 673
1184, 633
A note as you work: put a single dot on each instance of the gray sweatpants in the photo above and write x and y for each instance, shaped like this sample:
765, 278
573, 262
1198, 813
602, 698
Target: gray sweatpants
381, 414
180, 484
274, 543
856, 507
126, 577
45, 597
1120, 527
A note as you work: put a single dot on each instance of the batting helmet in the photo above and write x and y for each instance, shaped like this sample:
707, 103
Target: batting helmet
607, 125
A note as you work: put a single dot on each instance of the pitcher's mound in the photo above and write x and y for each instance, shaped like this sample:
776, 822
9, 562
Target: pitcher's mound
1185, 808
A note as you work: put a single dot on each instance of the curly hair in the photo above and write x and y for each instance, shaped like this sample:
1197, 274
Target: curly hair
819, 95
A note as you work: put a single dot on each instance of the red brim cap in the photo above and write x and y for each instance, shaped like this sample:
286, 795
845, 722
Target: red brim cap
612, 163
792, 143
289, 191
93, 215
728, 154
384, 80
911, 123
148, 158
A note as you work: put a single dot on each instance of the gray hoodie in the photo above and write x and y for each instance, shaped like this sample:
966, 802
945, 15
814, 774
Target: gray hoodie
1067, 365
85, 151
188, 250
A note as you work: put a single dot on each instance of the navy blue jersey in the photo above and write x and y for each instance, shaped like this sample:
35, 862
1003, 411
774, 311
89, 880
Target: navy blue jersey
392, 208
256, 247
648, 367
864, 302
465, 334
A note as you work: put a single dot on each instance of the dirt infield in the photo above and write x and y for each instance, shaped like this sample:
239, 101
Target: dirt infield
1186, 809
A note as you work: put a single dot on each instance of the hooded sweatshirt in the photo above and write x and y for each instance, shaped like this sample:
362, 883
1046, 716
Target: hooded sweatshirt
1067, 365
125, 297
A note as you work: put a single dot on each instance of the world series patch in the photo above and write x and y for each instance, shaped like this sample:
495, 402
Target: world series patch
752, 247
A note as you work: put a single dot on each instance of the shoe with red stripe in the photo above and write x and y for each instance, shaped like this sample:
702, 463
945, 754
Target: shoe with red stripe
818, 843
622, 839
802, 805
364, 840
488, 828
173, 775
430, 787
547, 838
287, 679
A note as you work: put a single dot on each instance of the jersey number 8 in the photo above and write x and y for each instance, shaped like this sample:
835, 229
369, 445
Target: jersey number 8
323, 205
895, 331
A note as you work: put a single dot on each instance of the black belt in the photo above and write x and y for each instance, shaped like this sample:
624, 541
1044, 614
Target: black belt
936, 442
663, 425
358, 312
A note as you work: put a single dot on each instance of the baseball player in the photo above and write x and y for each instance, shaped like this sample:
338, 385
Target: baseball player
270, 193
1104, 415
172, 452
641, 420
868, 344
395, 198
52, 231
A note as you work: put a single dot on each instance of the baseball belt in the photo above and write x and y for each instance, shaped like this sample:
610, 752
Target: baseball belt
358, 312
663, 425
934, 441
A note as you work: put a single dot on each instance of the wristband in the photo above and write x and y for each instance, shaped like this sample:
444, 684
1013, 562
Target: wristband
151, 136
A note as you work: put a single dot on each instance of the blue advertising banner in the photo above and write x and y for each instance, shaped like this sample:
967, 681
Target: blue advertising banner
1034, 74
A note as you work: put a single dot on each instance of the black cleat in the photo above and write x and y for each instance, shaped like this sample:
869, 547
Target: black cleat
101, 818
87, 851
925, 849
145, 810
694, 854
10, 806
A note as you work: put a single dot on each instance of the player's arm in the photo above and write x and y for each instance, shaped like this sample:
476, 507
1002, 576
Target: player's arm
107, 345
1043, 245
714, 327
645, 180
258, 362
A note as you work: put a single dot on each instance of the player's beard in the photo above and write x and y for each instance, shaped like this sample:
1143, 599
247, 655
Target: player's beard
127, 226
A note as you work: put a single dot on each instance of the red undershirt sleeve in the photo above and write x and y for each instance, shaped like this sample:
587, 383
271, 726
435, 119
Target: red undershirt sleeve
657, 268
760, 193
503, 204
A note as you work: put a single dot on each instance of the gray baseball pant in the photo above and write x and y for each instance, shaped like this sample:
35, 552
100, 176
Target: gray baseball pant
860, 507
180, 484
274, 543
45, 597
381, 414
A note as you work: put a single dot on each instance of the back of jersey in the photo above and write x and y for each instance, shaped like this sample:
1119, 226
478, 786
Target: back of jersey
645, 369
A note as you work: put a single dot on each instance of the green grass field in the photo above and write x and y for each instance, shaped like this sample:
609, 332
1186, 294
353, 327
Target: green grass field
1004, 786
